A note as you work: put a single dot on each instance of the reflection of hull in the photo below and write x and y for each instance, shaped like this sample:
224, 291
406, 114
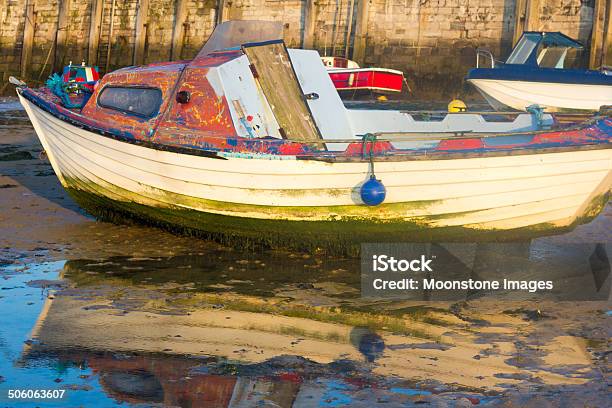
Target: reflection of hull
554, 96
251, 338
370, 79
252, 197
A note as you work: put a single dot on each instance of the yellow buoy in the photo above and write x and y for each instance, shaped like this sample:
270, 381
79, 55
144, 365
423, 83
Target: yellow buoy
382, 98
457, 105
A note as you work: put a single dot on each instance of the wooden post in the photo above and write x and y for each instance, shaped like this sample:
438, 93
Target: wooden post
532, 15
110, 35
597, 34
141, 31
178, 32
336, 27
519, 20
61, 33
28, 38
310, 15
606, 56
222, 11
349, 27
95, 22
361, 31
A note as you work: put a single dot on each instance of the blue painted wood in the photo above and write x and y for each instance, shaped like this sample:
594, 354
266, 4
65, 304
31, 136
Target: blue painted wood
526, 73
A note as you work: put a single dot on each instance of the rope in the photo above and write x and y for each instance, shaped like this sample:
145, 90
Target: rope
56, 84
538, 112
368, 138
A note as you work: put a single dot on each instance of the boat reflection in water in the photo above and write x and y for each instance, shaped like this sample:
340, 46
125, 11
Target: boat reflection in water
276, 329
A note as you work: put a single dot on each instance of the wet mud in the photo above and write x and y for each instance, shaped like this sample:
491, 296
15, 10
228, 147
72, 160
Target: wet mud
135, 316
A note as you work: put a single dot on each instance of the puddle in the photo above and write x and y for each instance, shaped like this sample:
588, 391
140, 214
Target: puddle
8, 105
23, 306
158, 331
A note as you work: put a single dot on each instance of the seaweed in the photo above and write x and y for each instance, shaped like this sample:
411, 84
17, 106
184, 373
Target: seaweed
18, 155
339, 237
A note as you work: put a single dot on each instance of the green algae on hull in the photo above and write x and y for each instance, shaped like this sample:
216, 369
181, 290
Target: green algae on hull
340, 236
383, 213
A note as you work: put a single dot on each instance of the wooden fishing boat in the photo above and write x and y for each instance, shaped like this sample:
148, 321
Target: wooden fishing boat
535, 73
348, 76
254, 141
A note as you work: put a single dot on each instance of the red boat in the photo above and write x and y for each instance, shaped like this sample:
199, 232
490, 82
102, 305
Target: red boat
348, 76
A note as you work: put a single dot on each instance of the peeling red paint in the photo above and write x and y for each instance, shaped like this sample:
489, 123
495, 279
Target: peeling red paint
377, 148
204, 118
460, 144
161, 76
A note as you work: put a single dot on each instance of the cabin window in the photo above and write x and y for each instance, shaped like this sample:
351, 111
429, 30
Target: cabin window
575, 59
340, 63
524, 49
138, 101
552, 57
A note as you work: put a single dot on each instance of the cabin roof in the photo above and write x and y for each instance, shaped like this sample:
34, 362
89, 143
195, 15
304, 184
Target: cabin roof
556, 39
214, 59
172, 66
231, 35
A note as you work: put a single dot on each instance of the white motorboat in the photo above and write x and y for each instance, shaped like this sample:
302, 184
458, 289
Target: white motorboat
534, 74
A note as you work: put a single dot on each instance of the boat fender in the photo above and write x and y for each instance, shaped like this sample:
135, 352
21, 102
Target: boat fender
373, 191
457, 105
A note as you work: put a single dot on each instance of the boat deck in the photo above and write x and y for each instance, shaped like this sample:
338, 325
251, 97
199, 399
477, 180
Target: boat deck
380, 145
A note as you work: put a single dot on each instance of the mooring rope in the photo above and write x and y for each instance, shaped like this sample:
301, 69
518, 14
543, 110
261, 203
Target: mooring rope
365, 139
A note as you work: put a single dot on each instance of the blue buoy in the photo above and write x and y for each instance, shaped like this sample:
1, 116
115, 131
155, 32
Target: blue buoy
373, 191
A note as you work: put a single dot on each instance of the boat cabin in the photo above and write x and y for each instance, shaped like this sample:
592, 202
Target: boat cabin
338, 62
246, 86
540, 71
536, 49
543, 49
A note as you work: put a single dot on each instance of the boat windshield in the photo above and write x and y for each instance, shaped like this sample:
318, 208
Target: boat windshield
524, 48
233, 34
552, 57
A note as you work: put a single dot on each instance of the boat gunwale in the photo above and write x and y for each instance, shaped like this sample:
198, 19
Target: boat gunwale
324, 156
373, 69
543, 75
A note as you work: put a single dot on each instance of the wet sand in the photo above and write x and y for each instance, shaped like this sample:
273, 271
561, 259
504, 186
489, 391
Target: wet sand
272, 328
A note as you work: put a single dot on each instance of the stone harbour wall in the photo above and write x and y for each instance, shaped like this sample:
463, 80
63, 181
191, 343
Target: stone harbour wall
432, 41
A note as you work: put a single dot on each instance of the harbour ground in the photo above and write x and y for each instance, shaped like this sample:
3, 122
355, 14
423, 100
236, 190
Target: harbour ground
129, 314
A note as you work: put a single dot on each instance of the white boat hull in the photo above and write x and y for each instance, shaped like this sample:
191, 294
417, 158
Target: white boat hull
475, 194
554, 96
